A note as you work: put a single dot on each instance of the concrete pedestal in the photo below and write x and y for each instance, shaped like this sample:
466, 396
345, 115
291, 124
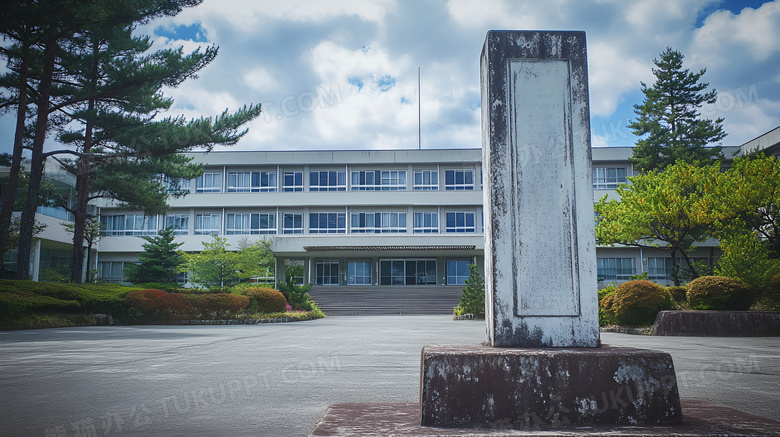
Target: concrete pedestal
479, 386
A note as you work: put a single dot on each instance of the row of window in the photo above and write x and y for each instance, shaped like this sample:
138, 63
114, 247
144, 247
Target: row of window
332, 180
391, 272
359, 272
658, 268
292, 223
364, 180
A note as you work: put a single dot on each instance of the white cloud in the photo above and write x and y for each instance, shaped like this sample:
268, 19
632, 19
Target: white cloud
283, 53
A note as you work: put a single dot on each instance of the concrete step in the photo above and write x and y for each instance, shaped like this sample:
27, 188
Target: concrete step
370, 300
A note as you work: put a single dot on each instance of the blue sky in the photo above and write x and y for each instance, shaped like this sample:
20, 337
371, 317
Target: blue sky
343, 74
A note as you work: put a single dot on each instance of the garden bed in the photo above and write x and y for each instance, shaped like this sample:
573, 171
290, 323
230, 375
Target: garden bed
718, 323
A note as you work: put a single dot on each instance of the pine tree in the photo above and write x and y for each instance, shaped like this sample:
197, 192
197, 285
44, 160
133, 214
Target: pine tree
110, 83
158, 262
668, 120
472, 300
44, 28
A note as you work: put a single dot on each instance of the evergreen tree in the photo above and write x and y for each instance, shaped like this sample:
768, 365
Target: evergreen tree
668, 120
109, 83
43, 27
472, 301
159, 261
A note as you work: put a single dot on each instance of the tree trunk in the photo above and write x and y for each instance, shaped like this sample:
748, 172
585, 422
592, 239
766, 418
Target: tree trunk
37, 160
675, 270
80, 217
16, 163
82, 180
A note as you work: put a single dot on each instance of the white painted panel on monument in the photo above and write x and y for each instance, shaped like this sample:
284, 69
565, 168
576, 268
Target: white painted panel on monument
544, 197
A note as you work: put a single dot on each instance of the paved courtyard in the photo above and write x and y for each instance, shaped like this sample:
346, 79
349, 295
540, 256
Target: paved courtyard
278, 379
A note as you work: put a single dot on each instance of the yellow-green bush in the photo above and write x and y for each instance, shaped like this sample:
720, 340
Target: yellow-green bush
265, 300
719, 293
679, 293
638, 302
606, 300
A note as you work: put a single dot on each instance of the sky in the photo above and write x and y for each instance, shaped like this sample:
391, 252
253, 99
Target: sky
334, 75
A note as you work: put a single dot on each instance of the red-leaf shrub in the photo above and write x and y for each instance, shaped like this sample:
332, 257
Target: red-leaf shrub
265, 300
216, 305
151, 304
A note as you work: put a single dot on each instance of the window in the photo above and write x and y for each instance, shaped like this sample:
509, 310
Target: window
327, 272
459, 180
328, 180
112, 224
426, 180
378, 222
608, 178
359, 273
327, 223
457, 272
207, 224
209, 183
293, 181
254, 182
179, 222
128, 225
615, 268
659, 268
407, 272
375, 180
176, 186
250, 224
111, 271
460, 222
426, 223
292, 224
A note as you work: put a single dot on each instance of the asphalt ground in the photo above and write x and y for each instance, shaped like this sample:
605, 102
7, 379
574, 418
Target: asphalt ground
278, 379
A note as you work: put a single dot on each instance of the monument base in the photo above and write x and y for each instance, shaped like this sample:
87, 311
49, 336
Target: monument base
484, 386
403, 419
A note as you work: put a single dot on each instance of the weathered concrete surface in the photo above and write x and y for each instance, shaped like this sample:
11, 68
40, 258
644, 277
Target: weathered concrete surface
477, 385
538, 191
403, 419
718, 323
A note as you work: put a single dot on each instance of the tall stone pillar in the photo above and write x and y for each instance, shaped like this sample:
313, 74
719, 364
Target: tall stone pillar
540, 254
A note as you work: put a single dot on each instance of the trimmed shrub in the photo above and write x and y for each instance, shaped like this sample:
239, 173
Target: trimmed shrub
265, 300
606, 301
156, 304
719, 293
638, 302
679, 293
216, 305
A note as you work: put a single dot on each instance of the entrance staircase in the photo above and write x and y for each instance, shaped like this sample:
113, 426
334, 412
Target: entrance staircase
376, 300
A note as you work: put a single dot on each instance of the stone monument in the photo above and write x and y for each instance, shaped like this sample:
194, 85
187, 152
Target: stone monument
540, 262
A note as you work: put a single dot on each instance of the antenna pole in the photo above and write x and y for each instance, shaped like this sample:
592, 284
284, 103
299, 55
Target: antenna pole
419, 112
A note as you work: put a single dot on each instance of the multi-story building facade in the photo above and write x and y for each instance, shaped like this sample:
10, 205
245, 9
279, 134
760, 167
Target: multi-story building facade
346, 218
401, 217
